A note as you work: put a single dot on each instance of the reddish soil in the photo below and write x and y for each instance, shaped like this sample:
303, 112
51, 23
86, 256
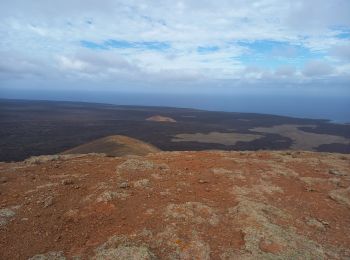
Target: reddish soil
177, 205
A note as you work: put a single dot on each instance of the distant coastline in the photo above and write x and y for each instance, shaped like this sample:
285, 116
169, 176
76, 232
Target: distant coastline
336, 109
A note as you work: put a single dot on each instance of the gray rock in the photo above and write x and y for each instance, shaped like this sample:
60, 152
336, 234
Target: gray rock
49, 256
5, 215
141, 183
112, 195
125, 252
342, 196
335, 172
124, 185
68, 182
3, 179
312, 222
48, 202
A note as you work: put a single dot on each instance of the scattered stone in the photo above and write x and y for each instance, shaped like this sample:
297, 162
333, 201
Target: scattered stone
49, 256
221, 171
71, 215
309, 189
149, 211
165, 193
48, 201
315, 224
341, 196
112, 195
5, 215
3, 179
124, 185
202, 181
342, 184
326, 223
58, 238
336, 172
141, 183
163, 167
335, 181
68, 182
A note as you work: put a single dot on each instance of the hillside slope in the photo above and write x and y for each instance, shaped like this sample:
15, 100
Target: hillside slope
177, 205
114, 145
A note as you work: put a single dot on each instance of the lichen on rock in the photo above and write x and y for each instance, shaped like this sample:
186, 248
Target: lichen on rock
192, 212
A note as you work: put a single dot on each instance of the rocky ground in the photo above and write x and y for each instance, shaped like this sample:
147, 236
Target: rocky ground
177, 205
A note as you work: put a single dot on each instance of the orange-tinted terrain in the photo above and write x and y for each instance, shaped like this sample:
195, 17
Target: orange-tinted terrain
177, 205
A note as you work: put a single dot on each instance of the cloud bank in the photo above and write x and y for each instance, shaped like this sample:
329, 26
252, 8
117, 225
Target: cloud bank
171, 44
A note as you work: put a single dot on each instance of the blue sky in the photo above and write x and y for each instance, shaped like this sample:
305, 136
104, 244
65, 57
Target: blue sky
121, 44
223, 45
270, 54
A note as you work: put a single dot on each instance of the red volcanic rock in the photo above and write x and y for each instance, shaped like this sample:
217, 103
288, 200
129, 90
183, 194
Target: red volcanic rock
176, 205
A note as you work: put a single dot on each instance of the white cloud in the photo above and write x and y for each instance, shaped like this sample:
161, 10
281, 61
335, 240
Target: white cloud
45, 37
317, 68
17, 66
342, 52
67, 63
285, 71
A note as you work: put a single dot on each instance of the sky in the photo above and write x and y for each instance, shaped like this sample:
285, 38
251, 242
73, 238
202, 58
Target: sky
261, 46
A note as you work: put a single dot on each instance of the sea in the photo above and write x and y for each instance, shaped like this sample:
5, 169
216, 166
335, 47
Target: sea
335, 108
